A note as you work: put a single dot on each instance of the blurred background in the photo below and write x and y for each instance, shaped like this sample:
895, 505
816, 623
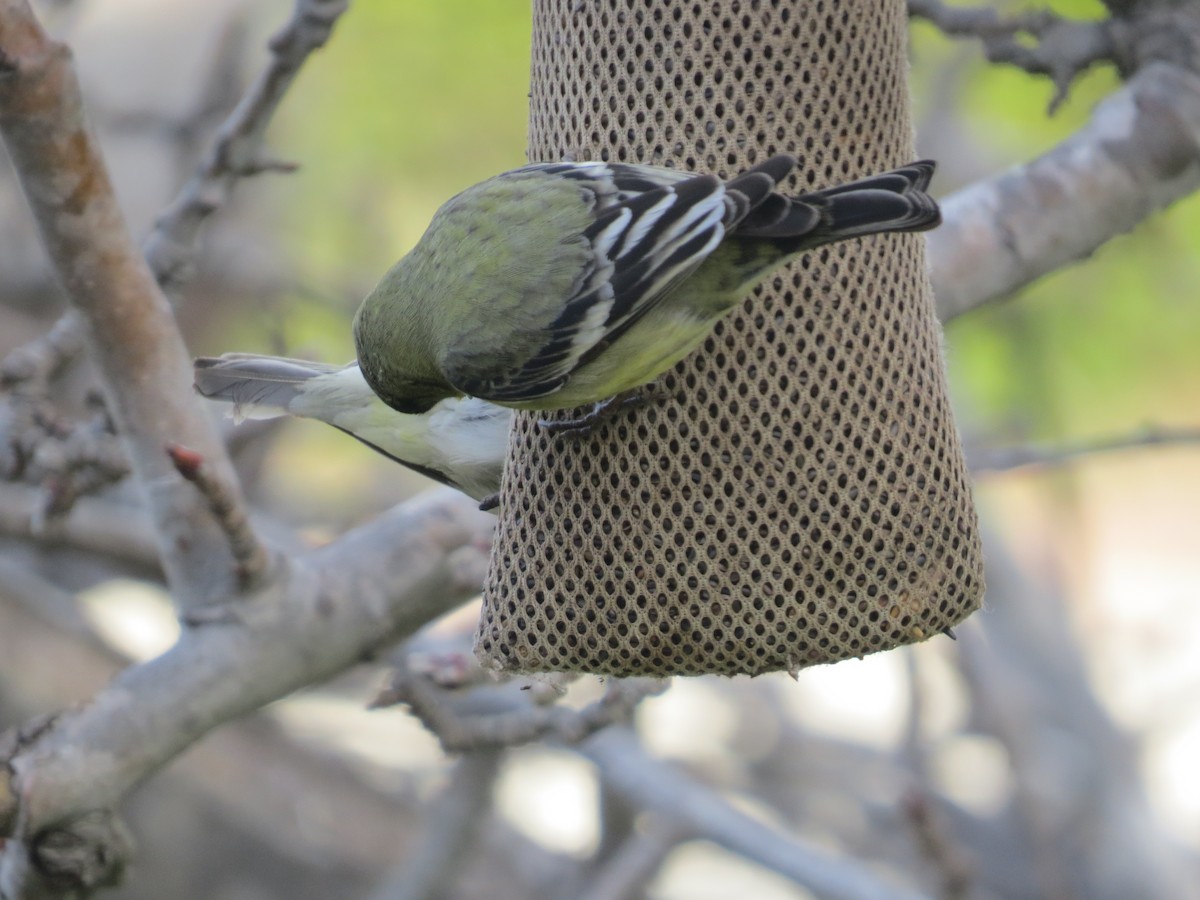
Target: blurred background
1049, 752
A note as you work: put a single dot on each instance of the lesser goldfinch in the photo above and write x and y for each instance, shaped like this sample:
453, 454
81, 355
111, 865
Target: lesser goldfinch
559, 285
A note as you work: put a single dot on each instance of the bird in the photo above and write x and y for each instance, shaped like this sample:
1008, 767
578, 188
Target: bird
460, 441
558, 285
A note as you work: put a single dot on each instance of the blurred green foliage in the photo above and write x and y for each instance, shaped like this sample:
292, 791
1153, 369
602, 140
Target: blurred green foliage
408, 104
413, 101
1102, 347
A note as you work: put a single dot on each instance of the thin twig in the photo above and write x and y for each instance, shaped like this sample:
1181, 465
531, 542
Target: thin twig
1062, 48
40, 361
250, 556
936, 844
460, 733
625, 874
449, 832
106, 527
1005, 459
67, 458
237, 151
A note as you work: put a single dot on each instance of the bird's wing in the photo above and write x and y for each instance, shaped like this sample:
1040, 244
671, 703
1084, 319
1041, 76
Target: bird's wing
649, 231
259, 387
460, 443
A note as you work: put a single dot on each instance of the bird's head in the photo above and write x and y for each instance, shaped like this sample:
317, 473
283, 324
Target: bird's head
393, 361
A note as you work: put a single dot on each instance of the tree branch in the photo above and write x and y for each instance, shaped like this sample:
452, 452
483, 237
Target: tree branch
1005, 459
131, 332
331, 609
461, 732
237, 151
337, 606
652, 784
1139, 153
1121, 7
936, 844
250, 557
105, 527
450, 833
624, 875
500, 717
50, 658
1062, 48
41, 360
1028, 687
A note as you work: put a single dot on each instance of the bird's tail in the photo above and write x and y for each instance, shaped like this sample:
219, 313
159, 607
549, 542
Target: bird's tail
259, 387
892, 201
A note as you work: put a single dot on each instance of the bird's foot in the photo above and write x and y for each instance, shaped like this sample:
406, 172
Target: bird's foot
490, 502
583, 426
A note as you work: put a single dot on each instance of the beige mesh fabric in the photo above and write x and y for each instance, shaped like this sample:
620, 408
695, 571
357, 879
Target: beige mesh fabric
803, 497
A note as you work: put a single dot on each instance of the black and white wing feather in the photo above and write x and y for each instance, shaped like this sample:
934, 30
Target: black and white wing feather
650, 228
647, 235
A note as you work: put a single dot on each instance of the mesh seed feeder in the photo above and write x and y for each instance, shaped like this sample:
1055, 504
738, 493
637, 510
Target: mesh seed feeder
802, 497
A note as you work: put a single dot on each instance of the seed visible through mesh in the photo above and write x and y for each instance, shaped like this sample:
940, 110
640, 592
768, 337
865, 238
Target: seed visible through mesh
802, 498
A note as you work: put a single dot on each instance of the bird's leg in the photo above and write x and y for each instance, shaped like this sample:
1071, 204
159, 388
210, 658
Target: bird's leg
582, 426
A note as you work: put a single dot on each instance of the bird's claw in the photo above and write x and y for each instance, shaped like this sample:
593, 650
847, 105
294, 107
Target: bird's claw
582, 426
